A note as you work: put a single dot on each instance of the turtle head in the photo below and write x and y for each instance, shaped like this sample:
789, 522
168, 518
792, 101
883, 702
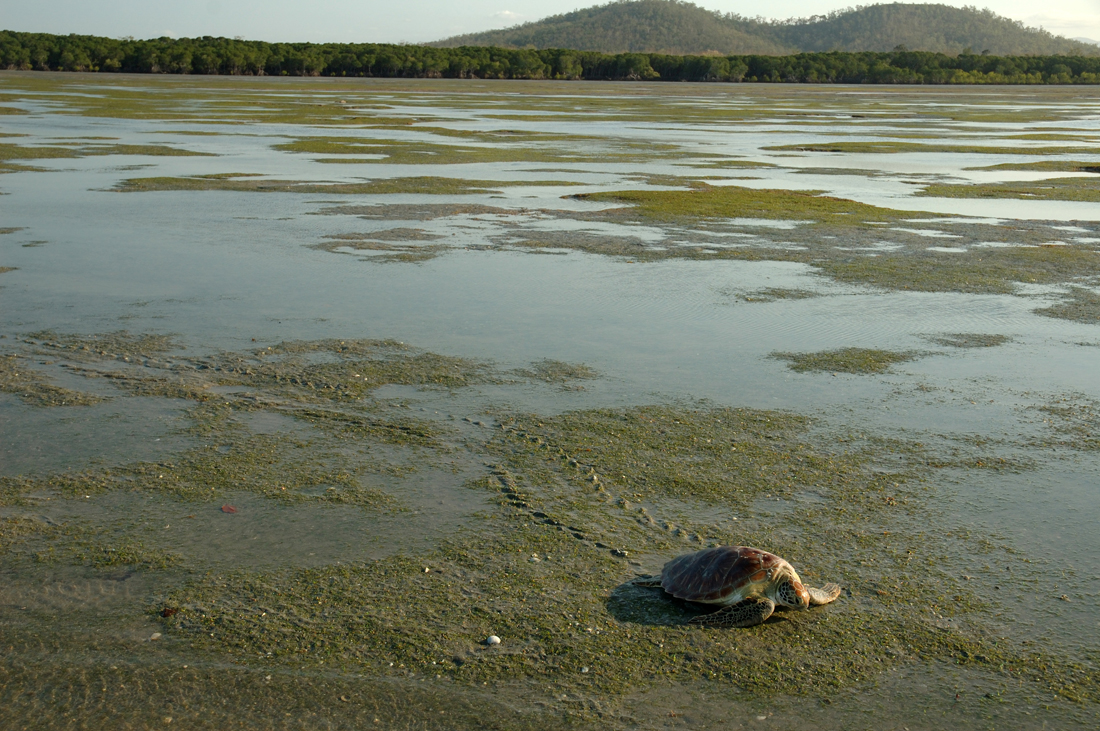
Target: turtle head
792, 593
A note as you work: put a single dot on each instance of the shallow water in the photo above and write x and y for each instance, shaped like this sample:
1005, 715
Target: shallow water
230, 271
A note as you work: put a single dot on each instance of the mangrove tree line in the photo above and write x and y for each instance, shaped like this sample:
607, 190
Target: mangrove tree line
208, 55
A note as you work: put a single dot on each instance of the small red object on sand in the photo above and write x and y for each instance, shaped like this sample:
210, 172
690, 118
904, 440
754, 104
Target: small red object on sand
228, 509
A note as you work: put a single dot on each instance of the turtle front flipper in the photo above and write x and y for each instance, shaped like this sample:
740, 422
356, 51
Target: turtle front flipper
744, 613
651, 582
824, 595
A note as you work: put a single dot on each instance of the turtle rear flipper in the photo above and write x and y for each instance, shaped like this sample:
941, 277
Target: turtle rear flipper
646, 580
746, 613
824, 595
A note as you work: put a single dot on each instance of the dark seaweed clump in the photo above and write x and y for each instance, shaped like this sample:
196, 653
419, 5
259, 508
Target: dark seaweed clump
845, 360
969, 340
1079, 304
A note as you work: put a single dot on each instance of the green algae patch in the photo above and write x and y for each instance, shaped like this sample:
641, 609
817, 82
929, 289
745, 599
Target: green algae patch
726, 164
722, 456
1074, 422
195, 133
83, 547
541, 573
79, 543
16, 530
228, 176
413, 211
625, 247
333, 372
189, 100
428, 616
7, 167
774, 294
280, 698
396, 152
845, 360
36, 152
1065, 135
556, 371
390, 234
326, 384
887, 146
969, 340
274, 466
385, 246
840, 241
380, 362
994, 270
332, 442
563, 621
1079, 305
145, 150
386, 186
381, 252
1058, 189
728, 202
115, 345
844, 240
428, 185
46, 152
18, 377
1052, 166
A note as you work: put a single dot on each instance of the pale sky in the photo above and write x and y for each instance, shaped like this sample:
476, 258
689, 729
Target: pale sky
413, 21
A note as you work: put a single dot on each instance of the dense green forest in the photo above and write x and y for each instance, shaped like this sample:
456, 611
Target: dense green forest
227, 56
676, 27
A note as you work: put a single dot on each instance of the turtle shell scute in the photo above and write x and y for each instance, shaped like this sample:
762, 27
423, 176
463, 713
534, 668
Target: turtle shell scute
715, 573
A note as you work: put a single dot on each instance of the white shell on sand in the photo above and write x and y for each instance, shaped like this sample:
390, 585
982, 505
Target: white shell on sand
492, 640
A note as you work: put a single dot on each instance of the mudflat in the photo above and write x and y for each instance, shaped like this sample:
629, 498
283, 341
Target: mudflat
310, 386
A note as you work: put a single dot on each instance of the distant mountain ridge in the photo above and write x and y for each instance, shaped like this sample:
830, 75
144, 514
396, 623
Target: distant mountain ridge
677, 27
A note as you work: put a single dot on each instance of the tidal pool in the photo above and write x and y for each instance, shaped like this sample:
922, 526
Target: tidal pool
307, 387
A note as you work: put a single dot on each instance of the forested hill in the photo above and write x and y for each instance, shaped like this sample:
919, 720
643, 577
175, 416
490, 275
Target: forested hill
671, 26
938, 28
640, 26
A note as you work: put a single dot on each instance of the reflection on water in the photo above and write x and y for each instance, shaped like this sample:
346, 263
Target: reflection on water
233, 271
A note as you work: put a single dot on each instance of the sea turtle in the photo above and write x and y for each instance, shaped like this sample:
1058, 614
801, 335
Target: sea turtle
746, 582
